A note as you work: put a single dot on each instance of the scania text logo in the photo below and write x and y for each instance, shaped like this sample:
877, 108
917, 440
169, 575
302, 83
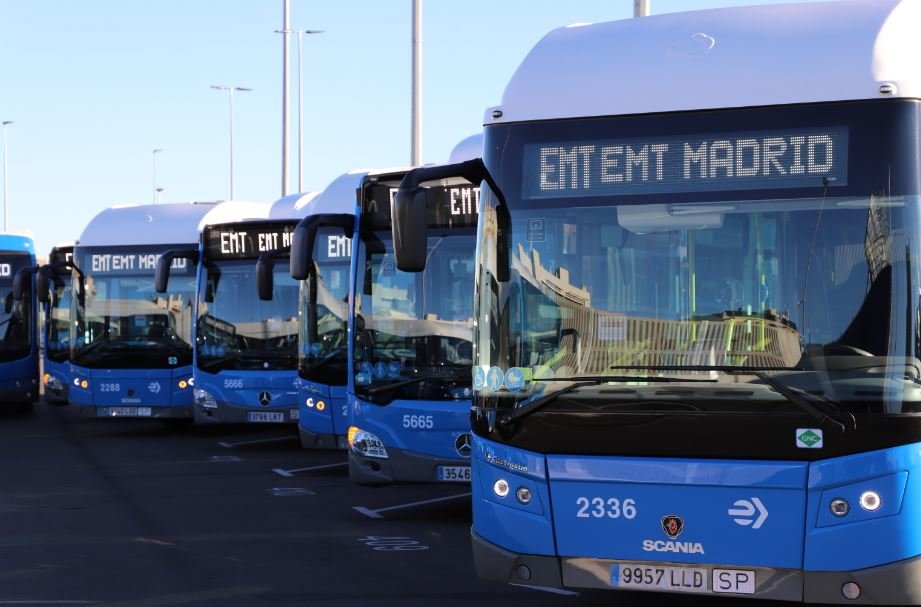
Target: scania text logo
464, 445
265, 399
745, 511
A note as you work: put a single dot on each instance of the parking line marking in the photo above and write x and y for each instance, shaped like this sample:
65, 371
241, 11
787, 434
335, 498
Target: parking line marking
547, 589
40, 602
256, 442
367, 512
376, 513
289, 473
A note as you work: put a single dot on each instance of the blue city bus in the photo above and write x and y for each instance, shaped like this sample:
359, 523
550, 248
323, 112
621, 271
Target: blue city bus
408, 383
56, 326
131, 347
697, 301
323, 366
19, 356
246, 329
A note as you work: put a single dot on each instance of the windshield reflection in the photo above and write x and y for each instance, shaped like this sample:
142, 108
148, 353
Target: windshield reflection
416, 326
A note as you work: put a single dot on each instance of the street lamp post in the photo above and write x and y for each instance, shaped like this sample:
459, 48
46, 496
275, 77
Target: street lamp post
6, 123
230, 90
641, 8
156, 190
300, 107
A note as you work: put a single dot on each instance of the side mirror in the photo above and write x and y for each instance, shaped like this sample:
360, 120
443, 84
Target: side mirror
265, 276
304, 240
408, 212
43, 285
22, 282
409, 222
165, 262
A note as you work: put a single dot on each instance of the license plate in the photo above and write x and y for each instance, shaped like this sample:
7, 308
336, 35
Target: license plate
454, 473
294, 414
130, 412
682, 579
265, 416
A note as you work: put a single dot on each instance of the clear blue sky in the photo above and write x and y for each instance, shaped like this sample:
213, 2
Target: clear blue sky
95, 86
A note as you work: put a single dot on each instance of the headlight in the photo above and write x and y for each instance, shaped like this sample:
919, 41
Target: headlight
365, 443
81, 383
53, 382
204, 399
185, 383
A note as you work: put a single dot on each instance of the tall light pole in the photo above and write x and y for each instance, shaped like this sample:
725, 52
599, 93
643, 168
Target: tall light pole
416, 129
285, 92
641, 8
230, 90
300, 107
156, 191
6, 123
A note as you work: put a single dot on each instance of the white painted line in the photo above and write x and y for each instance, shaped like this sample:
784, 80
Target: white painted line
548, 589
289, 473
279, 439
40, 602
376, 513
367, 512
225, 458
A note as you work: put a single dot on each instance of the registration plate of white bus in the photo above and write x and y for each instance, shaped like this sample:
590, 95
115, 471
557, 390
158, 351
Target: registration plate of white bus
454, 473
682, 579
130, 412
265, 416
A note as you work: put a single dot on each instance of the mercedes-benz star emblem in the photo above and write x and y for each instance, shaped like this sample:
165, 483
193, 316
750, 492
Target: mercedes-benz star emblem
464, 445
265, 399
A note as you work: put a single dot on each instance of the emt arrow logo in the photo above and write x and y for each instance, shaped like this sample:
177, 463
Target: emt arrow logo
745, 510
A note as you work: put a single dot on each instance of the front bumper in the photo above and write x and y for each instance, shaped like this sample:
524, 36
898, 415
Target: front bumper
400, 467
228, 413
314, 440
893, 584
126, 412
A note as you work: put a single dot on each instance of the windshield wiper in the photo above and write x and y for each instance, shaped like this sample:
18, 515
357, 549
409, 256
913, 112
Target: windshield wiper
806, 401
528, 407
415, 380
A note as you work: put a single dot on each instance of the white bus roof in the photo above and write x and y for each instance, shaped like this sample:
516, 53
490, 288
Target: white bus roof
154, 224
293, 206
467, 149
720, 58
340, 196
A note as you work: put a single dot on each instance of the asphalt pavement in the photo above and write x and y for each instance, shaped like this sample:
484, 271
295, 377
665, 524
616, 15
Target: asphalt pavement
137, 513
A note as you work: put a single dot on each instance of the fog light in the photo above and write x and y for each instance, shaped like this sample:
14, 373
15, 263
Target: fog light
524, 495
839, 507
500, 487
523, 573
851, 591
870, 501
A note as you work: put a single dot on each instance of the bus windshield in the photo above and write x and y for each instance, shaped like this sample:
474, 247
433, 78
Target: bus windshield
702, 280
324, 311
15, 316
57, 341
237, 330
121, 321
415, 326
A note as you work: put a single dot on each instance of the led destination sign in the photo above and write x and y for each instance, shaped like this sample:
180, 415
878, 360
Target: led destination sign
729, 161
247, 240
453, 206
127, 260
